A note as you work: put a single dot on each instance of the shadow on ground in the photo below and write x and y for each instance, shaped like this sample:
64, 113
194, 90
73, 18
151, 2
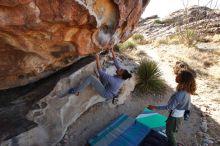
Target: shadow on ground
15, 103
100, 115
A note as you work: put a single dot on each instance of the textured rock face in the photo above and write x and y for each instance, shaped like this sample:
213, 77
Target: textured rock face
203, 20
39, 37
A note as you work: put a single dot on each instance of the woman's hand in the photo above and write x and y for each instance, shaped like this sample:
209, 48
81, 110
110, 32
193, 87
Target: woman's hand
151, 107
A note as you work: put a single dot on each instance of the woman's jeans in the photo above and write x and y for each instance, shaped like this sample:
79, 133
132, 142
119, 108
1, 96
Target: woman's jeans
172, 126
95, 83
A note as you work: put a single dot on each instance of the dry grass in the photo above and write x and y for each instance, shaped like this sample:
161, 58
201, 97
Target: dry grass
158, 21
200, 61
172, 39
141, 53
144, 42
160, 41
217, 100
139, 39
127, 45
216, 38
188, 38
210, 38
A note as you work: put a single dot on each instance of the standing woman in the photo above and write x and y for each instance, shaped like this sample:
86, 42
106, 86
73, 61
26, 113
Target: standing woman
178, 104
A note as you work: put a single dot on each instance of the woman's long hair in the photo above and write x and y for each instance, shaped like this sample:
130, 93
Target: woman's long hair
186, 82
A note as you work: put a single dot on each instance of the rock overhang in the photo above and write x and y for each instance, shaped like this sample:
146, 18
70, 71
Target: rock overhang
40, 37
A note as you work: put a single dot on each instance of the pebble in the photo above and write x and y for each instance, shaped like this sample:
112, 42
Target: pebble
207, 136
35, 107
200, 134
204, 126
204, 119
208, 141
37, 113
66, 137
204, 114
203, 109
65, 140
43, 105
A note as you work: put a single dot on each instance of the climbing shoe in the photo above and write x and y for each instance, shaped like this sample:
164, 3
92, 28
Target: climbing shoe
73, 91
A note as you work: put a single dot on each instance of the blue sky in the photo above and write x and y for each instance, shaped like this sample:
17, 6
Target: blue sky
164, 7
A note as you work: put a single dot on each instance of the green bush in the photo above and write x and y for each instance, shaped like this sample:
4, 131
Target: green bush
130, 45
149, 78
159, 21
138, 37
127, 45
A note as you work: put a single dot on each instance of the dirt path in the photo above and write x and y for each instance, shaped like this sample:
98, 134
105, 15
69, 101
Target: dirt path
206, 105
208, 101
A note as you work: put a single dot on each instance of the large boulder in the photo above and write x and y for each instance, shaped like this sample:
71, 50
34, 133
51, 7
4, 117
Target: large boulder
39, 37
59, 110
199, 19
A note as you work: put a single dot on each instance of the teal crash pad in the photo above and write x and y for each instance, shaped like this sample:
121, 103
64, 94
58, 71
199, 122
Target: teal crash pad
152, 119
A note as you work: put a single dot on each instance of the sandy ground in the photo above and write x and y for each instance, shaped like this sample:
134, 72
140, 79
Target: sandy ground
205, 105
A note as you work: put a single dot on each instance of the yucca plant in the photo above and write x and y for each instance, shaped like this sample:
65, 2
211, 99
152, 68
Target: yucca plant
149, 78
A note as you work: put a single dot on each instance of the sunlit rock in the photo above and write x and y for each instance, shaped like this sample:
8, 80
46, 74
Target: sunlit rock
40, 37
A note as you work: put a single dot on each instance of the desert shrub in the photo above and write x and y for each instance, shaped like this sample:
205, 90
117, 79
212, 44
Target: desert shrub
146, 41
216, 38
149, 78
161, 41
173, 39
141, 53
127, 45
157, 21
188, 37
130, 45
138, 37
